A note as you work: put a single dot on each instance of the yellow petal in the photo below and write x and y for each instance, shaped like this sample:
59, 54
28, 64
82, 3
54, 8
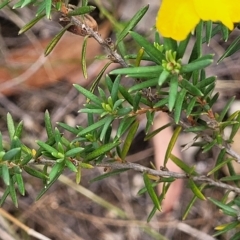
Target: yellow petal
226, 11
234, 10
176, 19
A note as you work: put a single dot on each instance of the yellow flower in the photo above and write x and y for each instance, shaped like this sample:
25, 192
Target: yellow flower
176, 19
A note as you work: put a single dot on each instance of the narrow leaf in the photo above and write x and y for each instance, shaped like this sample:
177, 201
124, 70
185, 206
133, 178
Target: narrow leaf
88, 94
183, 46
172, 143
4, 3
189, 206
179, 105
73, 152
218, 166
191, 88
235, 128
48, 8
109, 174
71, 166
196, 65
115, 87
225, 109
101, 150
182, 165
92, 127
153, 52
47, 147
9, 155
10, 125
196, 190
145, 84
173, 91
83, 57
124, 125
126, 95
231, 211
230, 178
234, 47
170, 44
45, 189
108, 122
19, 129
190, 106
208, 31
128, 141
5, 174
12, 192
99, 76
132, 23
35, 173
20, 184
81, 10
78, 174
155, 132
48, 124
163, 77
153, 70
31, 23
73, 130
57, 168
205, 82
151, 191
55, 40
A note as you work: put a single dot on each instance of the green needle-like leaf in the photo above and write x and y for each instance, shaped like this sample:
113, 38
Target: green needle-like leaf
225, 109
208, 31
10, 125
179, 105
56, 39
83, 58
20, 183
88, 94
4, 3
35, 173
12, 192
9, 155
234, 47
5, 174
152, 51
173, 91
81, 10
128, 141
101, 150
109, 174
172, 143
31, 23
227, 209
132, 23
48, 124
195, 189
92, 127
48, 8
151, 191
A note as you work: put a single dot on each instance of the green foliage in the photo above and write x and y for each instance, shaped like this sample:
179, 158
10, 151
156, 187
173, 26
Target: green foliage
182, 90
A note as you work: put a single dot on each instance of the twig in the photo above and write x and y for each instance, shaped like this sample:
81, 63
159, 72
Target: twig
209, 139
113, 54
160, 173
139, 168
